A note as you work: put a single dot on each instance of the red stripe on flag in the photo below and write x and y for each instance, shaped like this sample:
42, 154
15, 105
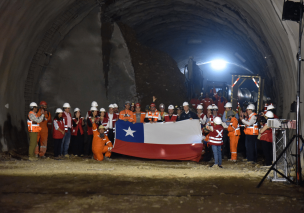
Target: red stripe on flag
160, 151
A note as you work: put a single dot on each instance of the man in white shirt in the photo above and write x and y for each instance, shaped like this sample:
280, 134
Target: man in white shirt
112, 118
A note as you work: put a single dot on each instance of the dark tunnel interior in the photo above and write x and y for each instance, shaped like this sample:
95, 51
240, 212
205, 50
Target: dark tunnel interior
42, 42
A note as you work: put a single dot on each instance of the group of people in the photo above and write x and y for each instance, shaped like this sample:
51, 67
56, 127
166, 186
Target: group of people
219, 130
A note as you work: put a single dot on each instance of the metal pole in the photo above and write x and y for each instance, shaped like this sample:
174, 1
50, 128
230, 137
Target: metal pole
298, 163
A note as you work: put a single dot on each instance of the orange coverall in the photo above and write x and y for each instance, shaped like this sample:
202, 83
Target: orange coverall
100, 145
126, 114
44, 133
234, 138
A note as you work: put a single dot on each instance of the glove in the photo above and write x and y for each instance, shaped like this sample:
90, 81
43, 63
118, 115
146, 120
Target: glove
110, 148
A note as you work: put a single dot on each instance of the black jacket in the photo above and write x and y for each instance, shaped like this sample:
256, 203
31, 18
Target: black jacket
185, 116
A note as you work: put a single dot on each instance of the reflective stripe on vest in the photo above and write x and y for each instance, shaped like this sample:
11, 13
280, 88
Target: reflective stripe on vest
153, 116
237, 130
251, 130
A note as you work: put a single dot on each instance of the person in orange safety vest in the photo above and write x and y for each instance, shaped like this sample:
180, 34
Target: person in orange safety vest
138, 116
126, 114
153, 115
233, 134
251, 131
44, 133
101, 143
34, 128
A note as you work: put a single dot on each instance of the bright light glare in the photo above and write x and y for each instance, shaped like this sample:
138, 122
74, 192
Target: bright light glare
218, 64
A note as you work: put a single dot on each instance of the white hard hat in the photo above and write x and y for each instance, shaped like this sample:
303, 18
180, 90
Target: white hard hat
251, 106
93, 109
111, 106
214, 106
269, 114
228, 105
33, 104
217, 120
66, 105
115, 105
185, 104
59, 110
76, 109
210, 107
170, 107
199, 106
94, 104
102, 110
270, 107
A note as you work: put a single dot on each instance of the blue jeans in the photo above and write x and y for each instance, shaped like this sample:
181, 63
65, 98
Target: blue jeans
217, 153
66, 142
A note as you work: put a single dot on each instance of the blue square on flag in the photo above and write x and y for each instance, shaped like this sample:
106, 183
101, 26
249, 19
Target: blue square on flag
129, 132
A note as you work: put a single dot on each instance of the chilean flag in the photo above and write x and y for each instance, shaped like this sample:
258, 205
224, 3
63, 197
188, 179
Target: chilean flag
169, 141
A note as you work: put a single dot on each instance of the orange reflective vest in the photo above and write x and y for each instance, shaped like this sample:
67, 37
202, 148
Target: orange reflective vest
251, 130
142, 117
153, 116
32, 126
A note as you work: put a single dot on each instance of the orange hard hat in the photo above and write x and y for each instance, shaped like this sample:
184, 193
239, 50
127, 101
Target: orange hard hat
43, 103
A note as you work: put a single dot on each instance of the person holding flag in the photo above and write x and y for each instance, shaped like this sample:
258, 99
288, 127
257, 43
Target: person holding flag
126, 114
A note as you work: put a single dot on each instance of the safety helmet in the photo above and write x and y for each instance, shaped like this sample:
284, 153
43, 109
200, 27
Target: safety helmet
137, 105
251, 106
210, 107
133, 104
102, 110
170, 107
269, 114
217, 120
93, 109
111, 106
115, 105
270, 107
59, 110
214, 107
42, 103
94, 104
185, 104
162, 106
33, 104
76, 109
152, 105
228, 105
101, 127
199, 106
128, 102
66, 105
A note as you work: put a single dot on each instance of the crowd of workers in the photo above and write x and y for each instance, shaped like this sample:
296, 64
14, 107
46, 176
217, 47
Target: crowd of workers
221, 128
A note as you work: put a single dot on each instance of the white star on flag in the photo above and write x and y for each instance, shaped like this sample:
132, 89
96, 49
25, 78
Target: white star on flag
129, 131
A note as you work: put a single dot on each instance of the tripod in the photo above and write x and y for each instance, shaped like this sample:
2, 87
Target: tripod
298, 137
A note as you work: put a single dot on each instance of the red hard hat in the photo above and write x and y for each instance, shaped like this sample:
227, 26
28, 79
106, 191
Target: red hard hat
43, 103
137, 105
152, 105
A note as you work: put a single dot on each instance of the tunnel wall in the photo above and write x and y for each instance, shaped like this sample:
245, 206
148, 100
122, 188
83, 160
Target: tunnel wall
24, 25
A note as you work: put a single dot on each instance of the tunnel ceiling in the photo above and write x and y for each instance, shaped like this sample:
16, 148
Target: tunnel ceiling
224, 27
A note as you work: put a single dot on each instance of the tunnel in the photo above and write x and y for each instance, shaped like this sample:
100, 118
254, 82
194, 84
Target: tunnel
110, 51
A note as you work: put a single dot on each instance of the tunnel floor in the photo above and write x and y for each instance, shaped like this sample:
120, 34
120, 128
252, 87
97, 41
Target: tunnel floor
138, 185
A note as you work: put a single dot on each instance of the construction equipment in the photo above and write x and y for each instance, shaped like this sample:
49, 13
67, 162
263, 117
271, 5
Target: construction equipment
238, 80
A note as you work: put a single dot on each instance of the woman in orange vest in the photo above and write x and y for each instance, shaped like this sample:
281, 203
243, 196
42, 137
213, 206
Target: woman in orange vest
34, 128
101, 143
58, 133
77, 140
251, 131
233, 134
138, 116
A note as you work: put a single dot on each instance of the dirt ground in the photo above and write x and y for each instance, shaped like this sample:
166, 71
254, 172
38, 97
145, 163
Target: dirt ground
128, 184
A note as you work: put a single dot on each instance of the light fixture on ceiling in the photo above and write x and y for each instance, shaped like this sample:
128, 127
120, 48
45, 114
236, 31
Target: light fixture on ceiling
218, 64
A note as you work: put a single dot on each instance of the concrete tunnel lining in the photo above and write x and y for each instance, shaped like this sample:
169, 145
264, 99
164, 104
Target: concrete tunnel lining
265, 33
